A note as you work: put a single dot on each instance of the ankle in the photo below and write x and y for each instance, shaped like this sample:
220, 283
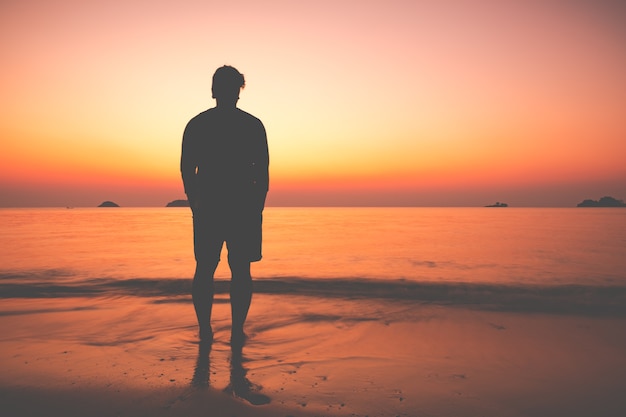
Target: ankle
206, 333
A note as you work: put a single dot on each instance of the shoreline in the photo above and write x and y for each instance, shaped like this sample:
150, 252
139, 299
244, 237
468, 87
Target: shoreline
598, 300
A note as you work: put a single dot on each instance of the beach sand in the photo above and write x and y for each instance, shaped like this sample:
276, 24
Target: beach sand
309, 356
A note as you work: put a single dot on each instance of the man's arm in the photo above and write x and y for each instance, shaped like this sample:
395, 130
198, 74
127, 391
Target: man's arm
189, 165
262, 168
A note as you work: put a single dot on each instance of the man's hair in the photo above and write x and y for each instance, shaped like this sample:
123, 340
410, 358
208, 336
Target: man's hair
227, 82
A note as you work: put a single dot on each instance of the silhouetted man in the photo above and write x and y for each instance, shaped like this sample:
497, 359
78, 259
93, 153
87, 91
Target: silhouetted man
224, 165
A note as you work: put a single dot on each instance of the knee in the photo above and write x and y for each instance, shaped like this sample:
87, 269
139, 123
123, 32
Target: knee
240, 271
205, 269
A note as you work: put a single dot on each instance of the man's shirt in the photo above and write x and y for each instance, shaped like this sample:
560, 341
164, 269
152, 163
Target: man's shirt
225, 161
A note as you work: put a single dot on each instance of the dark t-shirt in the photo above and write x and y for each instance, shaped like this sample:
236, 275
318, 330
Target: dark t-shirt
224, 161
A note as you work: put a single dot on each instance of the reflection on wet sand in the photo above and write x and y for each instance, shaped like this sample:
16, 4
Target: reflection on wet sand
240, 386
203, 364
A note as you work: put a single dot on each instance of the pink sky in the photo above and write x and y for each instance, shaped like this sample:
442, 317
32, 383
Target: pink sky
365, 102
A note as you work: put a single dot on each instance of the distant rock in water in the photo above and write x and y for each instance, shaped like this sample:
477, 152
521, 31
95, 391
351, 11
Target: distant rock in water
108, 204
603, 202
498, 204
178, 203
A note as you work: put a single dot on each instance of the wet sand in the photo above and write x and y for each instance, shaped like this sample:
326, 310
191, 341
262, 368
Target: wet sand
307, 356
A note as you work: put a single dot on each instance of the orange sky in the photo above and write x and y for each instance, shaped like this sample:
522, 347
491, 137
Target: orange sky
365, 102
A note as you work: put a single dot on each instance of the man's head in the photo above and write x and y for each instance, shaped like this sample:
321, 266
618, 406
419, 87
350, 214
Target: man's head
227, 82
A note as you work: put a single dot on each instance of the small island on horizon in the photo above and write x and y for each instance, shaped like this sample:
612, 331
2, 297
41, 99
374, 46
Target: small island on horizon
498, 204
108, 204
606, 201
178, 203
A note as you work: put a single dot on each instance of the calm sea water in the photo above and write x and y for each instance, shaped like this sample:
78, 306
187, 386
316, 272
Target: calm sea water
321, 249
513, 245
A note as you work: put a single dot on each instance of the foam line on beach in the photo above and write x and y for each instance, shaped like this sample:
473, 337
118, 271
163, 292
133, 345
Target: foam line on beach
562, 299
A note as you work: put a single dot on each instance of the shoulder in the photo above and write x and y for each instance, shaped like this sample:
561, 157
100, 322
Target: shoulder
202, 117
198, 125
249, 118
252, 125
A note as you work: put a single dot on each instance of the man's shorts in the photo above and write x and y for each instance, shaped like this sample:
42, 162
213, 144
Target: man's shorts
242, 234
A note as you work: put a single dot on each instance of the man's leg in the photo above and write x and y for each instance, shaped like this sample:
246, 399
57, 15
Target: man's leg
202, 293
240, 297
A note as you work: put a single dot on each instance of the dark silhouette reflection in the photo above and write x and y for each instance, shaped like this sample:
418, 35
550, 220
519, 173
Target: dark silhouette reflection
203, 365
240, 386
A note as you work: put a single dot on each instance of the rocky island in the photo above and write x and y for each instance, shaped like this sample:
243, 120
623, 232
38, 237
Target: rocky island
603, 202
178, 203
498, 204
108, 204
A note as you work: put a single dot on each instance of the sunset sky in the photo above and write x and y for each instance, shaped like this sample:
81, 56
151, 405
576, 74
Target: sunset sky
427, 103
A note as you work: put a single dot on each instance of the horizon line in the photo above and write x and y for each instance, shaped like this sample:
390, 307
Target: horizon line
305, 206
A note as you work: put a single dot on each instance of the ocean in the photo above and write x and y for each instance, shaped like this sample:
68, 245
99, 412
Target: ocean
516, 258
512, 312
